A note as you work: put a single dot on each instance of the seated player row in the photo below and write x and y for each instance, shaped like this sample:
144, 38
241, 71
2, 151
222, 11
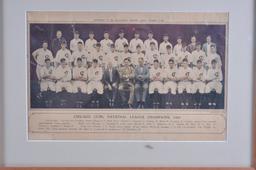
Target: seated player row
106, 42
138, 82
117, 58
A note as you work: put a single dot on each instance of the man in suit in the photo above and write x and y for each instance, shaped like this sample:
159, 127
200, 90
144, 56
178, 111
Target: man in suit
56, 42
111, 81
207, 45
141, 82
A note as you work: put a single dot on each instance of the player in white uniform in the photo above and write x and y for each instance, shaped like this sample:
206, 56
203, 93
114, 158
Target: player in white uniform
184, 86
63, 76
149, 40
164, 44
213, 56
40, 55
178, 47
90, 43
125, 54
198, 54
80, 53
113, 57
152, 54
106, 43
74, 42
95, 85
47, 82
156, 86
63, 53
79, 77
184, 54
198, 86
135, 56
120, 42
214, 85
98, 54
166, 57
135, 42
170, 85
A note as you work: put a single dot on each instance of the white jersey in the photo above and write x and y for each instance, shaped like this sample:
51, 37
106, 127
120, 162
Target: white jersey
216, 57
90, 45
80, 54
125, 55
79, 73
119, 44
185, 73
147, 43
198, 55
182, 55
177, 49
63, 54
136, 56
41, 54
63, 74
166, 57
105, 45
152, 55
156, 74
46, 73
95, 74
199, 74
96, 54
171, 73
214, 74
133, 44
74, 44
162, 47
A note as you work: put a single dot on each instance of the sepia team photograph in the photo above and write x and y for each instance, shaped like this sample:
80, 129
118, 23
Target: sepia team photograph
127, 66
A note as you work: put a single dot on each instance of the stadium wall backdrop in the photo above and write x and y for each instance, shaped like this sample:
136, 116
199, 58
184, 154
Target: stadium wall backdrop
67, 99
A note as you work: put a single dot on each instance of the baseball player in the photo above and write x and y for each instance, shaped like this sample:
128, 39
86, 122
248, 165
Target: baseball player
90, 43
152, 54
125, 54
63, 53
198, 54
40, 55
156, 83
47, 81
135, 42
170, 83
74, 42
214, 85
167, 56
184, 86
192, 45
95, 86
178, 47
98, 54
137, 55
120, 42
80, 53
79, 77
113, 57
164, 44
213, 56
106, 43
198, 86
63, 76
149, 40
184, 54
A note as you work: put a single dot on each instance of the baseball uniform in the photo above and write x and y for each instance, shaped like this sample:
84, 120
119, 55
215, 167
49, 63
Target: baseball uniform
95, 75
156, 80
214, 76
63, 76
47, 79
73, 44
79, 79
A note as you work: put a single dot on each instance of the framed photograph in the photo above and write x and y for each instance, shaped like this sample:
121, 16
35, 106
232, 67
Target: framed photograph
96, 87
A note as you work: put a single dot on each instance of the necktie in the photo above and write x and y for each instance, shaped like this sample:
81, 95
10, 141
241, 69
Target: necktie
110, 75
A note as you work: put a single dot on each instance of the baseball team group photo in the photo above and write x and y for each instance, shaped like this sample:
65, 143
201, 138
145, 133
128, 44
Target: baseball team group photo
127, 66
